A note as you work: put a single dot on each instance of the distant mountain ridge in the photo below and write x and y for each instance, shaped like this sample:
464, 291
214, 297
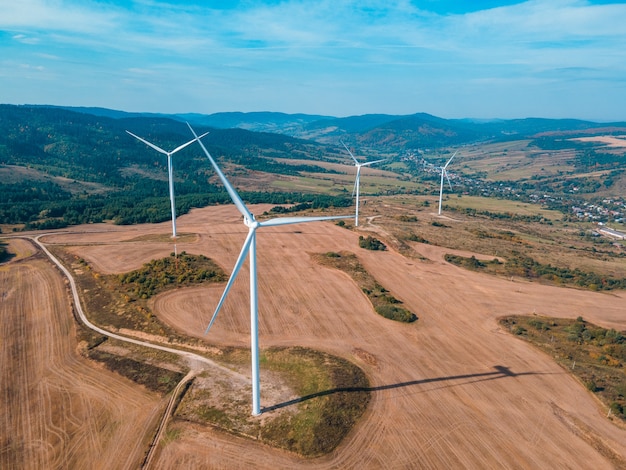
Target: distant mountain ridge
374, 131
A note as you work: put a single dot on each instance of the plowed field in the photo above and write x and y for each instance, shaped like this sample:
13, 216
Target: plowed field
451, 390
58, 409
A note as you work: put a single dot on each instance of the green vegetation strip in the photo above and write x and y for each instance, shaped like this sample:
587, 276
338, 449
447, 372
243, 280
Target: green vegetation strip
595, 355
154, 378
328, 395
526, 267
334, 394
384, 303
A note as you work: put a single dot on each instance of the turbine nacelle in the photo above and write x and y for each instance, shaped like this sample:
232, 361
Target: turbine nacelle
250, 222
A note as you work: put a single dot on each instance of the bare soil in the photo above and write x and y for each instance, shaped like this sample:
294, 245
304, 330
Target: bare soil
60, 410
452, 390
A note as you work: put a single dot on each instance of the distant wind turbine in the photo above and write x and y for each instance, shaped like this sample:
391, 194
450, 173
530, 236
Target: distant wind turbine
357, 180
170, 173
249, 246
444, 173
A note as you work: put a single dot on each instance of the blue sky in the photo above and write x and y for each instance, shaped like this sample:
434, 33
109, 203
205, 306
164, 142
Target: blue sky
453, 59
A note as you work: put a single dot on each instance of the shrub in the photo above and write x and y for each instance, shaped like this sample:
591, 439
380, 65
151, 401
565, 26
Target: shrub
371, 243
393, 312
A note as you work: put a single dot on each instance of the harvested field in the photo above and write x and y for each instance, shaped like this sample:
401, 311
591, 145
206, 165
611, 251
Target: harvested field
59, 409
452, 390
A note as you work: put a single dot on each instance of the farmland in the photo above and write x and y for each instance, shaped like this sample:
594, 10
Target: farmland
505, 404
106, 364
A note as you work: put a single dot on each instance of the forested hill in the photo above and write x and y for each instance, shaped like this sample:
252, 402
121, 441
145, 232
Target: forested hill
376, 132
61, 167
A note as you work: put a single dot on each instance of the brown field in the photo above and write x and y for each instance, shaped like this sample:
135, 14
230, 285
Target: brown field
608, 140
513, 160
451, 390
58, 409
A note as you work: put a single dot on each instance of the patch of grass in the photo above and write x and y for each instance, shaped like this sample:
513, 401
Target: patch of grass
171, 435
470, 263
158, 275
215, 416
506, 235
328, 396
413, 237
595, 355
152, 377
333, 395
383, 302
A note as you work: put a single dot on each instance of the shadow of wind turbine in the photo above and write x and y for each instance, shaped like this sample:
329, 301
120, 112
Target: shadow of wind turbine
499, 373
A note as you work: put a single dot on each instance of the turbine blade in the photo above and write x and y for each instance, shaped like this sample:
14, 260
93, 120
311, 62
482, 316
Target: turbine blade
233, 276
300, 220
180, 147
453, 155
355, 160
231, 191
449, 184
158, 149
371, 163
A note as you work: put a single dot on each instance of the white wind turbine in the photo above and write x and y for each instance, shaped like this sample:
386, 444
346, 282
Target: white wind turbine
170, 173
249, 246
444, 173
357, 180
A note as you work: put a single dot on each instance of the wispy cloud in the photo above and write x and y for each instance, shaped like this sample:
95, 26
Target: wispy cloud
376, 48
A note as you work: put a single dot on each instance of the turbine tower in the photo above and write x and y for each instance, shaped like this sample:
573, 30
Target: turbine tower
444, 173
249, 247
170, 173
358, 180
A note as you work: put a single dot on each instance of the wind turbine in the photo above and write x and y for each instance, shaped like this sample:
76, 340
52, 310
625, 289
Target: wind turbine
357, 180
249, 247
444, 173
170, 173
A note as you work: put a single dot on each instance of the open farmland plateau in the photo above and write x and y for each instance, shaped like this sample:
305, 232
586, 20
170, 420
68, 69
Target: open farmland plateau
453, 389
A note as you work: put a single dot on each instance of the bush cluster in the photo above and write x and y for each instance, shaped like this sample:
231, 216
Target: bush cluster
371, 243
160, 274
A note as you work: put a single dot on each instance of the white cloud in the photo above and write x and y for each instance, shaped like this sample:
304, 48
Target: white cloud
315, 52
